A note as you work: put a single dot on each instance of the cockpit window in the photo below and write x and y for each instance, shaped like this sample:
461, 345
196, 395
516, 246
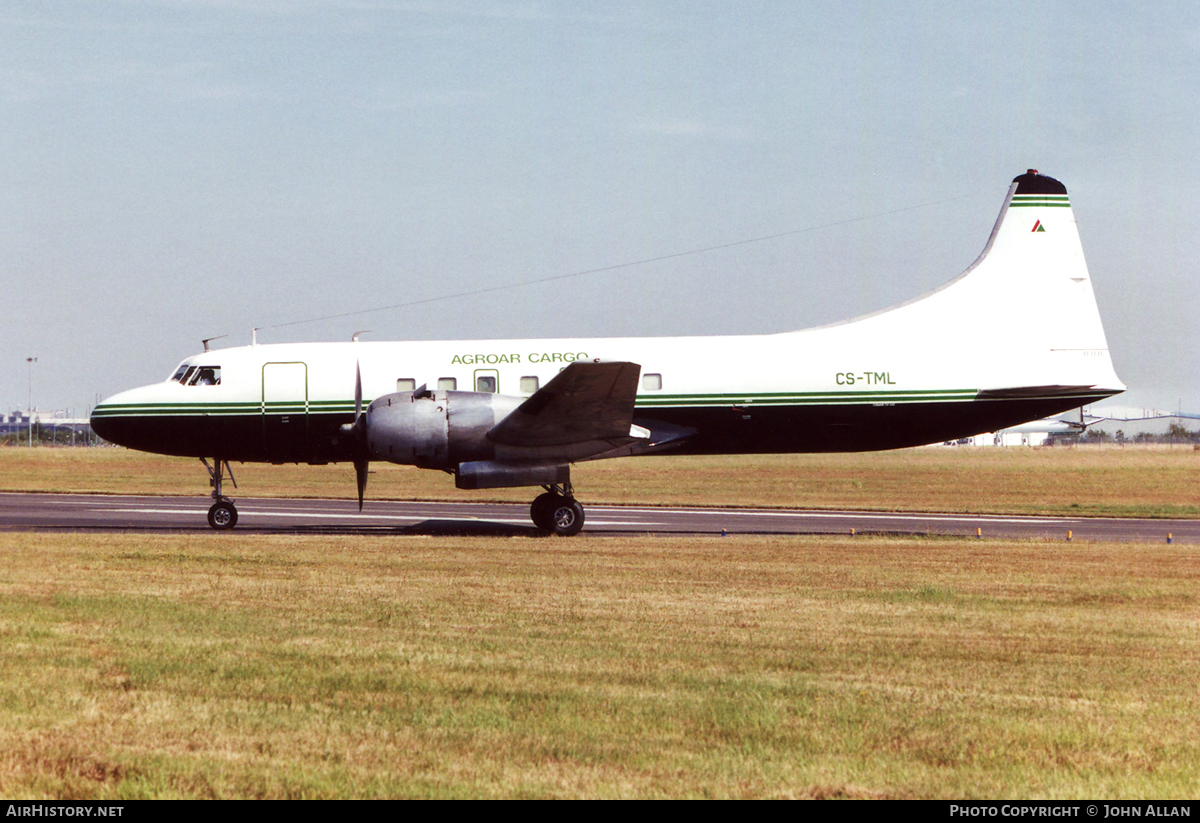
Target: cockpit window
179, 373
202, 376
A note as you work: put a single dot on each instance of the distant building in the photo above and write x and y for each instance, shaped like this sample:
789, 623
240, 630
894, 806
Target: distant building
1005, 438
55, 426
15, 423
1063, 430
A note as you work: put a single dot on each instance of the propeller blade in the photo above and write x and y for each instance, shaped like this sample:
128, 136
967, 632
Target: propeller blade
360, 474
359, 430
357, 391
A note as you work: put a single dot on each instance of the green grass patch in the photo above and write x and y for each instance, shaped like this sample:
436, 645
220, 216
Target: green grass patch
281, 666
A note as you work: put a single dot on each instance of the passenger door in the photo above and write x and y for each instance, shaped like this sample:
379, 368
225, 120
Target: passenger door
285, 411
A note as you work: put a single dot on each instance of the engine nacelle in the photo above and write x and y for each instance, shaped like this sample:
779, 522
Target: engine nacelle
435, 430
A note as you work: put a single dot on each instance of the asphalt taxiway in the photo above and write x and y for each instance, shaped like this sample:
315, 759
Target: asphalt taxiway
147, 514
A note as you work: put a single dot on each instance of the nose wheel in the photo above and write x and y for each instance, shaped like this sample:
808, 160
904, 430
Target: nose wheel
223, 514
557, 512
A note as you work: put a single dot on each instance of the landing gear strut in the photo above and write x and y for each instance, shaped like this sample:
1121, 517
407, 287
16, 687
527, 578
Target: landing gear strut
557, 511
223, 514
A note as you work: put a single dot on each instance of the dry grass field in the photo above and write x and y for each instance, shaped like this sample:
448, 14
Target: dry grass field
230, 665
1130, 481
224, 665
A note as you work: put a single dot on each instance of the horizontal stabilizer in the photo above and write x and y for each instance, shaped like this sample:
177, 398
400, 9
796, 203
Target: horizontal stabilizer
586, 401
1129, 414
1041, 392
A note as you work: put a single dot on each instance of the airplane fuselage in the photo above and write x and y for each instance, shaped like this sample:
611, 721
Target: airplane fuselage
813, 391
1016, 337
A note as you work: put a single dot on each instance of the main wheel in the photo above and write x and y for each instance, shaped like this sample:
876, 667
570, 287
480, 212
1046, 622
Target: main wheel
539, 510
566, 517
222, 515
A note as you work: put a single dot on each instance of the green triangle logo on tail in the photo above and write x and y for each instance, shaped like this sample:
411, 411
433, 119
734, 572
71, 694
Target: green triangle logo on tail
1038, 226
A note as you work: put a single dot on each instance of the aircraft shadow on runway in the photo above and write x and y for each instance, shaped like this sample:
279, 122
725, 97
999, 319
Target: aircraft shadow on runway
427, 528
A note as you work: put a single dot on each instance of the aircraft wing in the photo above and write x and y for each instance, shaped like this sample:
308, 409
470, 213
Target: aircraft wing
586, 401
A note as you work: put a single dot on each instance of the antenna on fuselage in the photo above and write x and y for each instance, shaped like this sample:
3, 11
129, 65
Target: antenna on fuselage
354, 338
254, 337
208, 340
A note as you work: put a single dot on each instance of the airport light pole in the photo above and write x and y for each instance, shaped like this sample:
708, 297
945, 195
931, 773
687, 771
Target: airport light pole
30, 361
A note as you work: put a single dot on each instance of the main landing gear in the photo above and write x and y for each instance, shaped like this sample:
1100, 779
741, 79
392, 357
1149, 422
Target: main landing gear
223, 515
557, 511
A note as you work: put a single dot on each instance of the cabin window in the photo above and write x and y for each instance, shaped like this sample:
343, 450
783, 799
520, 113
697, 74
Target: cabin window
203, 376
485, 383
447, 384
406, 384
529, 385
652, 382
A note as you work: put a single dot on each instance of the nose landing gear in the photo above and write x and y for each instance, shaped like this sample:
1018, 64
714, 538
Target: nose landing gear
223, 514
557, 511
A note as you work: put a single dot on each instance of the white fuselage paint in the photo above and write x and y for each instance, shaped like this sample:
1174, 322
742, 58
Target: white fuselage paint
1022, 316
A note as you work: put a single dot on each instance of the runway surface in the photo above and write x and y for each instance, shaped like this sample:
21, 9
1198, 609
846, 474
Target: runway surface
147, 514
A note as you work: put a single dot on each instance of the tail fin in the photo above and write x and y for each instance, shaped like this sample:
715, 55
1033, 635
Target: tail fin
1033, 268
1023, 313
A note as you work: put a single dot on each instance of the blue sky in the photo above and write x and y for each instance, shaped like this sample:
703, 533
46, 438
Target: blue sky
172, 171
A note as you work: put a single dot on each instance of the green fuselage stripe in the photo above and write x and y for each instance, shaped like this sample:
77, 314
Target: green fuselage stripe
642, 402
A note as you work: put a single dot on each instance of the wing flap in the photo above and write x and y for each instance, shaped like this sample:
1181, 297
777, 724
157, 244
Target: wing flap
586, 401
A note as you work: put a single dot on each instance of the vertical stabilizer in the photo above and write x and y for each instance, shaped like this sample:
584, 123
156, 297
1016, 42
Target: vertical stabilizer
1023, 314
1035, 270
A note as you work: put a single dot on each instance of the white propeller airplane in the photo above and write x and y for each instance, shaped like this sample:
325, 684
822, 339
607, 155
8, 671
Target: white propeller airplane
1016, 337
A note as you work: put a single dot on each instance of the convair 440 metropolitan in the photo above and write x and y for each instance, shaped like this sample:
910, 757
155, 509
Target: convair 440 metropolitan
1015, 338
